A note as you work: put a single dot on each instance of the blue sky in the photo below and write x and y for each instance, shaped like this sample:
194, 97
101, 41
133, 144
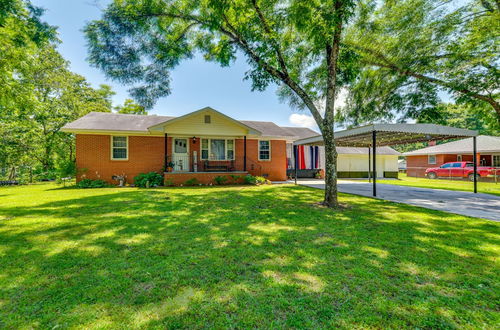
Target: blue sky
195, 83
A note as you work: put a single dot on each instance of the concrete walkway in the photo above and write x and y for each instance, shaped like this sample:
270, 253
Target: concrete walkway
461, 202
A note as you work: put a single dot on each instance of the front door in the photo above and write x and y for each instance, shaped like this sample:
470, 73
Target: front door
180, 156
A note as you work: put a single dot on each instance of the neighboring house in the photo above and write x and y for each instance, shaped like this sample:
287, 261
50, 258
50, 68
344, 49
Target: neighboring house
488, 154
202, 145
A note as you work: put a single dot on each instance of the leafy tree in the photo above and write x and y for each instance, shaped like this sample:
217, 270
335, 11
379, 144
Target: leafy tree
130, 107
295, 44
411, 50
58, 97
462, 116
22, 32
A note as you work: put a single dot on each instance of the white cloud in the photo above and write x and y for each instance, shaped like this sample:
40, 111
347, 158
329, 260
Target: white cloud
302, 120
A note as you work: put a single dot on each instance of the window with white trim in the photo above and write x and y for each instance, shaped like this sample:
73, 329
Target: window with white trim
496, 160
264, 150
431, 159
217, 149
459, 158
119, 147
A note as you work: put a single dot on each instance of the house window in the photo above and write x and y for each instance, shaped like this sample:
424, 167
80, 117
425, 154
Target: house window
119, 147
431, 159
264, 150
180, 146
459, 158
496, 160
208, 120
217, 149
204, 149
230, 149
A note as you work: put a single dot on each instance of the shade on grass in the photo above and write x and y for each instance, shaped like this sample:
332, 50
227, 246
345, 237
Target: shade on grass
239, 257
456, 184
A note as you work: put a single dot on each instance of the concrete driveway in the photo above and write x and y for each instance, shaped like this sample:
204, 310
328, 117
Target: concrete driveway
461, 202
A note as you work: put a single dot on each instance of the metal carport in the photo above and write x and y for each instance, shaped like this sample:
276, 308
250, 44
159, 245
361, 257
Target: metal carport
371, 136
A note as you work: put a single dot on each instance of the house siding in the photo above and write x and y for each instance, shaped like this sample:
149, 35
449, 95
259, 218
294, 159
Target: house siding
146, 154
93, 157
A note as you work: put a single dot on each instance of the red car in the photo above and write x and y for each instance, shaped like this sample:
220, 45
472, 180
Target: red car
459, 170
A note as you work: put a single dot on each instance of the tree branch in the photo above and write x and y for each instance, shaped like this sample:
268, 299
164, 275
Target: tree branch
388, 64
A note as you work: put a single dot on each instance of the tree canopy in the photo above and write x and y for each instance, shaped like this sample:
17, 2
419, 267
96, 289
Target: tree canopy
131, 107
38, 92
295, 44
411, 51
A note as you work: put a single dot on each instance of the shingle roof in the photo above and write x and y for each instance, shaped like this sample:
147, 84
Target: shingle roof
300, 132
364, 151
106, 121
267, 128
115, 122
485, 143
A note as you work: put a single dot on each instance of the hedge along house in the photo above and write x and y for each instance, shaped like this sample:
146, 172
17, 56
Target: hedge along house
488, 154
202, 144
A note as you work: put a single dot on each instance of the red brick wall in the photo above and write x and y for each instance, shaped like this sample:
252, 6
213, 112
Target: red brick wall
274, 169
146, 154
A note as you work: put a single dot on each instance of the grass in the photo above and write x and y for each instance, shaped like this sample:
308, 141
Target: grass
462, 185
239, 257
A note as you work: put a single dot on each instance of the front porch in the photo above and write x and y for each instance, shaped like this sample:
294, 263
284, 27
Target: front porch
194, 155
193, 178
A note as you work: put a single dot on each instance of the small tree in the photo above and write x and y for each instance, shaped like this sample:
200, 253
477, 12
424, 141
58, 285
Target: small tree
295, 44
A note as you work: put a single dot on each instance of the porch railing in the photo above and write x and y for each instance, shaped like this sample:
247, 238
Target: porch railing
189, 163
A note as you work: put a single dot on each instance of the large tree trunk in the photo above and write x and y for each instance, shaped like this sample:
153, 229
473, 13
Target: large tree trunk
331, 199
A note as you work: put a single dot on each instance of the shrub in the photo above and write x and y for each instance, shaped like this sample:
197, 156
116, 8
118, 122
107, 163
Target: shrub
261, 180
151, 179
169, 183
88, 183
220, 180
192, 182
249, 179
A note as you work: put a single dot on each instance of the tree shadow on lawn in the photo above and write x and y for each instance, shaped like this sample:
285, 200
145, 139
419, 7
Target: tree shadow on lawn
243, 257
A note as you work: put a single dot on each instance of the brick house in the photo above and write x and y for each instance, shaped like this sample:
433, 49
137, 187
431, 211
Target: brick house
488, 154
202, 144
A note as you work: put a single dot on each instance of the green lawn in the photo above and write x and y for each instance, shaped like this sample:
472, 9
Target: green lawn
240, 257
465, 185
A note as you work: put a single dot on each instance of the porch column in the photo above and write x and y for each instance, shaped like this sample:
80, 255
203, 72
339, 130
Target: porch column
369, 165
166, 151
295, 161
374, 146
245, 153
474, 160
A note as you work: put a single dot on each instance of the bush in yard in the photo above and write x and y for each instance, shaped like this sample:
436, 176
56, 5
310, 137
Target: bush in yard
249, 179
257, 180
192, 182
261, 180
151, 179
220, 180
88, 183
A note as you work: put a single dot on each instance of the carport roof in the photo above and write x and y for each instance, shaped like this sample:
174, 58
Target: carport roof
391, 134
